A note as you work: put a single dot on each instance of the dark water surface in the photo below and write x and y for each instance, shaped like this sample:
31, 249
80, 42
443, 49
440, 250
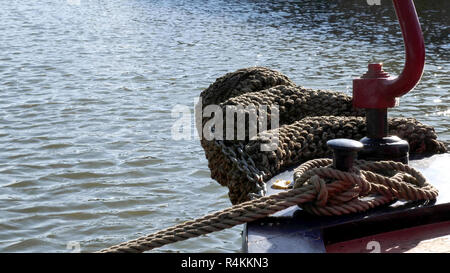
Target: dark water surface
87, 88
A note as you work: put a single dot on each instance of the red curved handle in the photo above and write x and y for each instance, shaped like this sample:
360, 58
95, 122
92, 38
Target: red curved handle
414, 47
375, 89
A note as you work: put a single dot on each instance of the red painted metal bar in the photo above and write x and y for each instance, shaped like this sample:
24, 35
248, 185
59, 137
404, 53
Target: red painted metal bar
375, 89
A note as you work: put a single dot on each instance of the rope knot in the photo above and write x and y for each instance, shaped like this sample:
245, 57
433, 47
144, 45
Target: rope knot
338, 192
321, 190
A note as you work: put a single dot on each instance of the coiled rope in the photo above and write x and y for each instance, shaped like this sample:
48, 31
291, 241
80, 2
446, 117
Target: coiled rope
307, 120
318, 189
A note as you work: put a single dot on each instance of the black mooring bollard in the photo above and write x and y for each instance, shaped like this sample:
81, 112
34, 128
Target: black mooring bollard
345, 152
377, 144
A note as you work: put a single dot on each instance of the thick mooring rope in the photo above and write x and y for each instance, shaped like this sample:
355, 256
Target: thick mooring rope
308, 119
318, 188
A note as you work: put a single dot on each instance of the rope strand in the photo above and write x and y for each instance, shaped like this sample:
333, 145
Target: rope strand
318, 189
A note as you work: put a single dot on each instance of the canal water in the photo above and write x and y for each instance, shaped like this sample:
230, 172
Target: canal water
87, 89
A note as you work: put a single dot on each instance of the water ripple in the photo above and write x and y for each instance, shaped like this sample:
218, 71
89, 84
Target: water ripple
86, 152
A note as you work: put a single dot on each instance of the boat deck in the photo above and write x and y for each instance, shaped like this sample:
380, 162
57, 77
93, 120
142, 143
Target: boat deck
293, 230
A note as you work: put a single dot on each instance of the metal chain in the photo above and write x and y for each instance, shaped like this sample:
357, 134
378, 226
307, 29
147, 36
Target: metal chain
246, 165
